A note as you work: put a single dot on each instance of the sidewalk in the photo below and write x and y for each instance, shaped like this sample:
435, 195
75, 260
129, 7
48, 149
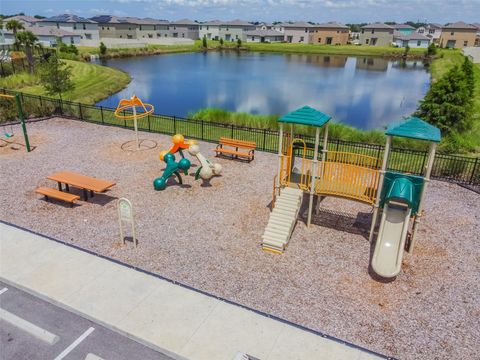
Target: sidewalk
151, 310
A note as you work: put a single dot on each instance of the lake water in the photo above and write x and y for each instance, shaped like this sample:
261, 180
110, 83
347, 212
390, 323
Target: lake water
366, 92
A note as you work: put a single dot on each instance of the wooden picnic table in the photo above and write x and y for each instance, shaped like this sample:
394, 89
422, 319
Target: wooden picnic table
86, 183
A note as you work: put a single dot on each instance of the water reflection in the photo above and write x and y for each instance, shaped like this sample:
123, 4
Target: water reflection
363, 92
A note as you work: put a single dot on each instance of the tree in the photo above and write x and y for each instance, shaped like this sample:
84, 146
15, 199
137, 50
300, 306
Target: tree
14, 25
103, 48
406, 51
448, 103
432, 50
221, 41
56, 76
467, 68
28, 40
204, 42
239, 43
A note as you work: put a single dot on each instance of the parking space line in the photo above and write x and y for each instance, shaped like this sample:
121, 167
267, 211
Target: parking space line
74, 344
91, 356
3, 290
28, 327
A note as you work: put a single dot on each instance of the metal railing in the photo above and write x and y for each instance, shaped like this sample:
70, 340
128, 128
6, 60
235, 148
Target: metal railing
451, 168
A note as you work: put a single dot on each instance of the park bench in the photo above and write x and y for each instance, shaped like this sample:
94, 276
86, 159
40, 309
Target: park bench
57, 194
243, 149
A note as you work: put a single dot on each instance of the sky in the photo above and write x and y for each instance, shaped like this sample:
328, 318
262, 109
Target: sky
345, 11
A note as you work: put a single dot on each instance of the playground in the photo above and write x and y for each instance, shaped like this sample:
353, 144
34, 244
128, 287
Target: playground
208, 235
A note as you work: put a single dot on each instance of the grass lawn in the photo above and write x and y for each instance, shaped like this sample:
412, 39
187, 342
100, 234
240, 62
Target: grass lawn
92, 82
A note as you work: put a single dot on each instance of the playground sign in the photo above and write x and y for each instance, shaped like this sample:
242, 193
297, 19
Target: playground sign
125, 215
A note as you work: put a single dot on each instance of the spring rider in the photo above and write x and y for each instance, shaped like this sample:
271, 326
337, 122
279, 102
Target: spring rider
173, 167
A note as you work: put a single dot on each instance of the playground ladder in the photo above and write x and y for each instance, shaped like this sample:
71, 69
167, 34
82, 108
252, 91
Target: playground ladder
282, 220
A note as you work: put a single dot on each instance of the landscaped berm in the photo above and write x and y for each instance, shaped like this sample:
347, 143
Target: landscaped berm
208, 234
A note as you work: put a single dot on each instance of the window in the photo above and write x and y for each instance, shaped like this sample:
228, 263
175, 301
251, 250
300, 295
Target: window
183, 35
319, 40
207, 27
129, 37
140, 27
373, 31
71, 40
363, 31
88, 36
452, 33
419, 43
301, 38
58, 26
253, 38
367, 41
74, 26
108, 27
306, 30
150, 36
84, 27
431, 31
103, 28
465, 43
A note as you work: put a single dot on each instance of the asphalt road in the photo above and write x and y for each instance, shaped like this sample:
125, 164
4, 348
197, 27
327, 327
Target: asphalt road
59, 334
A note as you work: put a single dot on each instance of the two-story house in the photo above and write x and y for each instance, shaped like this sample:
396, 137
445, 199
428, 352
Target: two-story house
477, 37
298, 32
235, 29
377, 34
149, 28
116, 27
184, 28
458, 35
86, 28
210, 30
330, 33
432, 31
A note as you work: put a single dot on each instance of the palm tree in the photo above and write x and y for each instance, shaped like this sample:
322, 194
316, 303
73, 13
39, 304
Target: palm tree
28, 40
14, 25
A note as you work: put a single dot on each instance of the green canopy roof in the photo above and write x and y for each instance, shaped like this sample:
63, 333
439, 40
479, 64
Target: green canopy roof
306, 116
415, 128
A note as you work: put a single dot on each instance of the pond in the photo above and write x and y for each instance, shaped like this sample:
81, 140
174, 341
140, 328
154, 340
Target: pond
365, 92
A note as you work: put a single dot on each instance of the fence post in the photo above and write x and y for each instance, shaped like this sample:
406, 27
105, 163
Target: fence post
148, 119
202, 129
174, 124
232, 132
264, 139
61, 106
124, 121
1, 66
41, 102
80, 110
101, 113
473, 171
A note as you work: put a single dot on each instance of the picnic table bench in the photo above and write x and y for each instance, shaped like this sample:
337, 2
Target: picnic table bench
86, 183
243, 149
57, 194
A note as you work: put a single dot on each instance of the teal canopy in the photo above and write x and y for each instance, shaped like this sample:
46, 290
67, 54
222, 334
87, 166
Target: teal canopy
306, 116
415, 128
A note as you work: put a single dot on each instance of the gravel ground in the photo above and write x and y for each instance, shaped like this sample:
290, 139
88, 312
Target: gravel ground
208, 236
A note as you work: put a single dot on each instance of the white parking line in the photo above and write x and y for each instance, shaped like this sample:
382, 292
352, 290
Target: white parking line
28, 327
74, 344
91, 356
3, 290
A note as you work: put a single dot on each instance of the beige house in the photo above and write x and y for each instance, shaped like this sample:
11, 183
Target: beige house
115, 27
235, 30
377, 34
185, 29
458, 35
330, 33
297, 32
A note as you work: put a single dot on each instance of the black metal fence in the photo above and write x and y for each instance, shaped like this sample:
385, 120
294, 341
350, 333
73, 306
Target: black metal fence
11, 65
452, 168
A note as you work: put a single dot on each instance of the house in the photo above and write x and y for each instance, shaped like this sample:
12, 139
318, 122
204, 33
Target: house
298, 32
477, 37
432, 31
115, 27
458, 35
235, 29
86, 28
377, 34
264, 36
184, 28
210, 30
414, 40
48, 36
331, 33
404, 29
150, 28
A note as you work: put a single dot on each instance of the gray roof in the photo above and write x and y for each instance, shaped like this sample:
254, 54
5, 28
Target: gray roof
403, 26
185, 22
412, 36
460, 25
301, 24
238, 22
436, 25
477, 25
377, 25
108, 19
263, 33
332, 25
213, 22
67, 18
22, 18
46, 31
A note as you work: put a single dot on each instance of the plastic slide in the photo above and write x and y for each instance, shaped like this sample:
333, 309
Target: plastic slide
388, 254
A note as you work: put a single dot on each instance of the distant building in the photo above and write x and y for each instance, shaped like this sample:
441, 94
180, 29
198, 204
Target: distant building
263, 36
414, 40
298, 32
404, 29
432, 31
130, 27
458, 35
210, 30
184, 28
330, 33
86, 28
235, 29
24, 19
377, 34
48, 36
